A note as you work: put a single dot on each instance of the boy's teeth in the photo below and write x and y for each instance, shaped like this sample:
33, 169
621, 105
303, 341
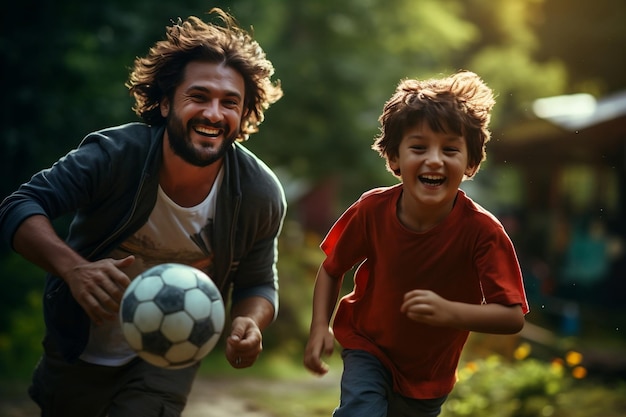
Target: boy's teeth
432, 179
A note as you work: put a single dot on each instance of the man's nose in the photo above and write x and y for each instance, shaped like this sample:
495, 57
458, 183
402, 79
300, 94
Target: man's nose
212, 111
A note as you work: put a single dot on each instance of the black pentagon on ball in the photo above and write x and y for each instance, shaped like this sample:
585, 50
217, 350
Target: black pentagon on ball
170, 299
128, 307
209, 290
155, 343
201, 332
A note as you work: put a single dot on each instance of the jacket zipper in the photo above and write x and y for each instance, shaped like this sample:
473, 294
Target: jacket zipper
118, 231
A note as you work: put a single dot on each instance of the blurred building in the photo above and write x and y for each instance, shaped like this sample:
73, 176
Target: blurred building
560, 178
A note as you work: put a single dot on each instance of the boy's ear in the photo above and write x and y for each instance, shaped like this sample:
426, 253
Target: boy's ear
470, 171
392, 163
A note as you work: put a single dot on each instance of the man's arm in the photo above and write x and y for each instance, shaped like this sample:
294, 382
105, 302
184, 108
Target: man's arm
97, 286
37, 241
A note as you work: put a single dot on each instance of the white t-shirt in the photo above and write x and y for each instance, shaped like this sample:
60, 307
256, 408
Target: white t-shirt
171, 234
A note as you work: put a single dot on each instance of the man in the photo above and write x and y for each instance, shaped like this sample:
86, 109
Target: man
178, 188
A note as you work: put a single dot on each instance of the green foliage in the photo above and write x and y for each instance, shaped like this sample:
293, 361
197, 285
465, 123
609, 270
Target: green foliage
589, 38
20, 344
300, 257
338, 62
21, 329
508, 69
491, 387
528, 388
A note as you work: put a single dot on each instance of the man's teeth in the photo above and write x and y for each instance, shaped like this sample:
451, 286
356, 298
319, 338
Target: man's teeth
207, 130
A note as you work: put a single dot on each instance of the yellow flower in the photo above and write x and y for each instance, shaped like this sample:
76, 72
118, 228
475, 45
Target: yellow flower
573, 358
522, 351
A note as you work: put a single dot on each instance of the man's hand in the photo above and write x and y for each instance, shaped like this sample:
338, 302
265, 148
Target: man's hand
99, 286
245, 343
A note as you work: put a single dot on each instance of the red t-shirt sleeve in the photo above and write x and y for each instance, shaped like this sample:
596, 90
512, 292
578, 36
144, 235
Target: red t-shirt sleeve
344, 245
499, 270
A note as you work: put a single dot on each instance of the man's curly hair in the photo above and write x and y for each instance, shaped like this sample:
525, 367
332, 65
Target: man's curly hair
157, 75
460, 104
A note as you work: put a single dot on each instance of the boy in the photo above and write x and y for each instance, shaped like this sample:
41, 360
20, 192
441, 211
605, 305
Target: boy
432, 264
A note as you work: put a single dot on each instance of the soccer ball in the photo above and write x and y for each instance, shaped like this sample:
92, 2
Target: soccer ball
172, 315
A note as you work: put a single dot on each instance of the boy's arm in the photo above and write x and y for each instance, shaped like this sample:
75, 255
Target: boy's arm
325, 297
321, 338
427, 307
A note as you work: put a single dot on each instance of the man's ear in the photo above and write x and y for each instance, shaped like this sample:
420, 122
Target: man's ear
165, 107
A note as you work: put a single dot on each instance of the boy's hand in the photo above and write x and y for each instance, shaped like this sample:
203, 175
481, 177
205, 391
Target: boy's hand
427, 307
321, 342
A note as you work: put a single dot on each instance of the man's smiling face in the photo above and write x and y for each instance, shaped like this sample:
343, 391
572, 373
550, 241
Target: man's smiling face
204, 115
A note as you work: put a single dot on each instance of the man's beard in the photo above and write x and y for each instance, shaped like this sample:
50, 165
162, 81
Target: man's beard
181, 145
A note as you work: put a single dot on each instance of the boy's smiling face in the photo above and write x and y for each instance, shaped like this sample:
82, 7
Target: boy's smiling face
432, 166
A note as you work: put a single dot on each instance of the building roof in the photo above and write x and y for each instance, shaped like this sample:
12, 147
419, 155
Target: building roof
574, 128
579, 111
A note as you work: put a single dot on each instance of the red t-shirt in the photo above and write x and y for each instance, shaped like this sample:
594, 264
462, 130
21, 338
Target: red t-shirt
468, 257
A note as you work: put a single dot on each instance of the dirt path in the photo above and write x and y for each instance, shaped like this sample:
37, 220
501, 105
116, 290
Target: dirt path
209, 397
235, 397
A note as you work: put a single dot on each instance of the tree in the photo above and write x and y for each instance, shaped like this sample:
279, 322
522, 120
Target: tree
339, 62
589, 38
66, 61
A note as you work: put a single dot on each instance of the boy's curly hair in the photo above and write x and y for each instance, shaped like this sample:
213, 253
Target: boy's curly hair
157, 75
460, 104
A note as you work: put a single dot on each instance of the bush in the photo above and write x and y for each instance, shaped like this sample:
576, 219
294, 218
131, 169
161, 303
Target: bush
530, 387
22, 328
